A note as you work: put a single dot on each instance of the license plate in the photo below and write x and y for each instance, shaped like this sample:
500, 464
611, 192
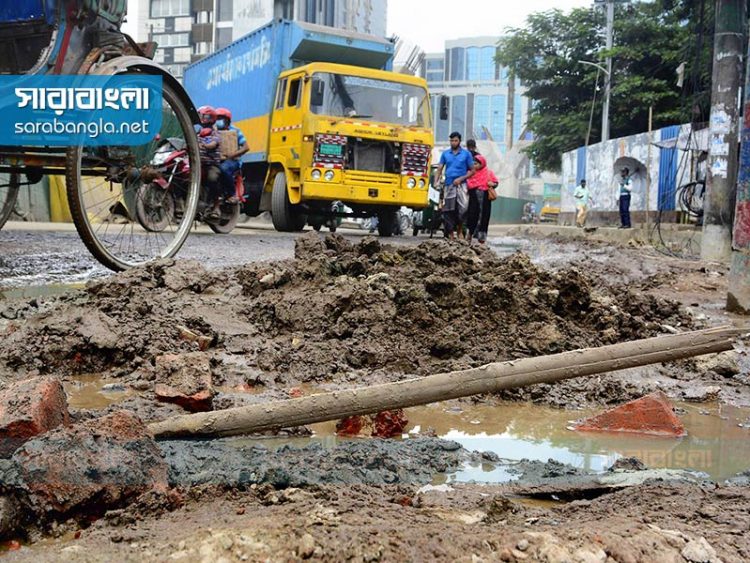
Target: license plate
328, 149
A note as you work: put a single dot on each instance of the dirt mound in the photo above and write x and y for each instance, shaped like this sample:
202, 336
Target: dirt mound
338, 312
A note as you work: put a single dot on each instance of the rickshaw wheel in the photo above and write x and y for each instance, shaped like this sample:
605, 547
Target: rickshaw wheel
8, 197
103, 208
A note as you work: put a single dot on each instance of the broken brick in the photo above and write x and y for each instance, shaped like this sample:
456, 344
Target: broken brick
30, 408
185, 379
652, 415
388, 424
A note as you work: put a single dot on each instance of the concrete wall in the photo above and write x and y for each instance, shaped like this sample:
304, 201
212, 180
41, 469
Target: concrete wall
600, 164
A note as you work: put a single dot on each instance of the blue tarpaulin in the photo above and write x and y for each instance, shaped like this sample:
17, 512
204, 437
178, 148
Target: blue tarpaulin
27, 10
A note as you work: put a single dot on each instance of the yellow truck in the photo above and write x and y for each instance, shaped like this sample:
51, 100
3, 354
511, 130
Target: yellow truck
326, 122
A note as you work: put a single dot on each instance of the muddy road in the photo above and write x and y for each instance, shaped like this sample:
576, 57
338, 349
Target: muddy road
261, 316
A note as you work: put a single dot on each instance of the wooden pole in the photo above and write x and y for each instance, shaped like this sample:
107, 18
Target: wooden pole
486, 379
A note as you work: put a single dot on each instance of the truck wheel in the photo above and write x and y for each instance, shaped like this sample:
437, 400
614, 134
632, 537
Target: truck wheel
387, 221
286, 217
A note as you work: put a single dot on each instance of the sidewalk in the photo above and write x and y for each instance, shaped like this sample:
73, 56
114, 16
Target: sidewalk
672, 234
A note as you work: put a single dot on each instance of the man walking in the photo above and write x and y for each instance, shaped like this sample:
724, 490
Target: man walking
626, 187
582, 196
458, 165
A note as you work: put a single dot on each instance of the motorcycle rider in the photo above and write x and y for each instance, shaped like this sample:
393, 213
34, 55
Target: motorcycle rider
208, 142
231, 163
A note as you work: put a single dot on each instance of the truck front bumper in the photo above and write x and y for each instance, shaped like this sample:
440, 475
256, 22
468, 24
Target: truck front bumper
373, 194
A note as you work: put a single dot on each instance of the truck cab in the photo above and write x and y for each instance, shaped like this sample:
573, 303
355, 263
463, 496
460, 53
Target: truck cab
350, 134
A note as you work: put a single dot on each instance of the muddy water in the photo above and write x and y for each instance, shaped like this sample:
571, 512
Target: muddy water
718, 441
93, 392
33, 291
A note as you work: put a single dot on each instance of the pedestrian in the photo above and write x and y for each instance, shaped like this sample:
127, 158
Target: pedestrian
626, 188
582, 196
471, 146
458, 164
479, 185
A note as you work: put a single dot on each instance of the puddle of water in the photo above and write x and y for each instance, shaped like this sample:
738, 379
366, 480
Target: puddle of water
32, 291
716, 443
93, 392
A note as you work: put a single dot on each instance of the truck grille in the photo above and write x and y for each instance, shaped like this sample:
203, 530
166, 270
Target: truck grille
369, 157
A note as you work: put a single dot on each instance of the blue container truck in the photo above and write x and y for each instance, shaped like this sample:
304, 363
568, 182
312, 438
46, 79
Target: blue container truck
326, 121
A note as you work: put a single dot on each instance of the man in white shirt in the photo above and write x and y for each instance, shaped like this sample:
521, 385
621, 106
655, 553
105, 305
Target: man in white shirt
626, 187
582, 196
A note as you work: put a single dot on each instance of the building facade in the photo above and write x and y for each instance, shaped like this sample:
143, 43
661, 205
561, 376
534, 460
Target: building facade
483, 103
187, 30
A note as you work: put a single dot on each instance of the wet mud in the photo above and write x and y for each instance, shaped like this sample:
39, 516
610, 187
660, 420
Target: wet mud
341, 314
338, 314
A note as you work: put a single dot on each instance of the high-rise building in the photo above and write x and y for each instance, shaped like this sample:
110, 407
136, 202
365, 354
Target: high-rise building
483, 103
187, 30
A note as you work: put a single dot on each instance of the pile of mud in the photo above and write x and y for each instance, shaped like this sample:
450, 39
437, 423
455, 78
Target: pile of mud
337, 313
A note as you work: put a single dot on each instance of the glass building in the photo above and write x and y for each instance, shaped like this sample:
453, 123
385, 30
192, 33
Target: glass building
483, 104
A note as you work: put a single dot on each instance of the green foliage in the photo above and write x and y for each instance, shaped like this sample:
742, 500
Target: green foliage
651, 40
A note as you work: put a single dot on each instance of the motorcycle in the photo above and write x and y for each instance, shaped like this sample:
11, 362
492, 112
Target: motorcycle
160, 200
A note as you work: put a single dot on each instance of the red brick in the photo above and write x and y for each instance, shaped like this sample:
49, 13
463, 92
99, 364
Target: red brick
185, 379
90, 465
652, 415
30, 408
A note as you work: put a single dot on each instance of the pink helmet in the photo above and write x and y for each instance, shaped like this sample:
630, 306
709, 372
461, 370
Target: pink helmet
207, 115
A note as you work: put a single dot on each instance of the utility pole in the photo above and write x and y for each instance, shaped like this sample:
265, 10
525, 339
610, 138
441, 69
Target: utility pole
721, 180
608, 74
510, 112
738, 296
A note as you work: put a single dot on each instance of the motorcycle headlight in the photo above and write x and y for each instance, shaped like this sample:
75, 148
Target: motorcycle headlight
329, 175
421, 183
411, 183
316, 174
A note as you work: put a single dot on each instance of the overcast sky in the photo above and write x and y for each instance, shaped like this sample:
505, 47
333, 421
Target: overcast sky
428, 23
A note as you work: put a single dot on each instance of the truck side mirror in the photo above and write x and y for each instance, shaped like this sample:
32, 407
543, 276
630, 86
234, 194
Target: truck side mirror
444, 105
318, 92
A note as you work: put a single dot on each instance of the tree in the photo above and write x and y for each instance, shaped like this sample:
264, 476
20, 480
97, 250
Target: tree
651, 40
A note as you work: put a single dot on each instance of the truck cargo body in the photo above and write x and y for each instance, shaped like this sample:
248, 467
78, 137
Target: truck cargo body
243, 75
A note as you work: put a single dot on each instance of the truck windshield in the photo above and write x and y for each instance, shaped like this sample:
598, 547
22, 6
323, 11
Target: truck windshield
339, 95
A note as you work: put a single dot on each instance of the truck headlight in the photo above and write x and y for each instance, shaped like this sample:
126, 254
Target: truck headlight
421, 183
411, 183
329, 175
315, 174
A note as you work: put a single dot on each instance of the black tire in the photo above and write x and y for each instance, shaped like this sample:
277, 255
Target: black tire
154, 207
8, 197
415, 231
118, 246
230, 215
316, 227
286, 217
387, 221
332, 229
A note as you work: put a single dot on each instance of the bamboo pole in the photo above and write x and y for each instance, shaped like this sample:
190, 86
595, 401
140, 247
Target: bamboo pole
485, 379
